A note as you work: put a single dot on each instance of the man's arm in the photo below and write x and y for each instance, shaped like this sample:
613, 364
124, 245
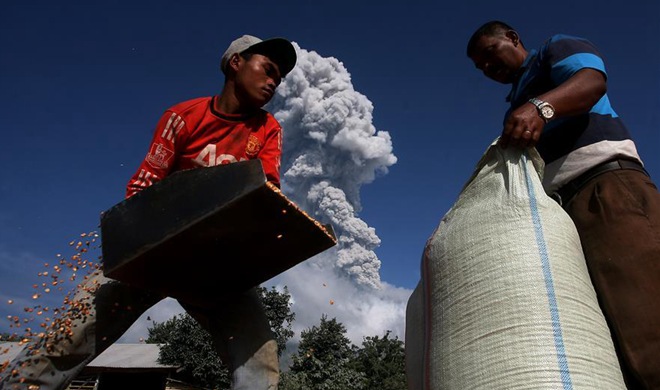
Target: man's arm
161, 156
270, 155
573, 97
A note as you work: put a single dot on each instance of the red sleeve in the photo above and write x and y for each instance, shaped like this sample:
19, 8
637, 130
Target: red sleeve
270, 154
161, 156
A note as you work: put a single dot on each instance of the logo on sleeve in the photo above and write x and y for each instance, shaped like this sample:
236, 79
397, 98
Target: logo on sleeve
159, 156
253, 146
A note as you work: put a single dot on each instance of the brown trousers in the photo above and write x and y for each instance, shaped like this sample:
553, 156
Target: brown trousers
617, 215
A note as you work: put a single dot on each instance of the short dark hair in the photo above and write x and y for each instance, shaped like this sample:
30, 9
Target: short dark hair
491, 29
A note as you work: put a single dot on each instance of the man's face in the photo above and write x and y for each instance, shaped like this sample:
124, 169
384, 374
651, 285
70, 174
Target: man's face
256, 79
499, 57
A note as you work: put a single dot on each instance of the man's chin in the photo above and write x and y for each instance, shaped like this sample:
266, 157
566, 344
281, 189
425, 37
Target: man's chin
259, 102
504, 79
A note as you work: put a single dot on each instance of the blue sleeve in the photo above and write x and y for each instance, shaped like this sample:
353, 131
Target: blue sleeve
566, 55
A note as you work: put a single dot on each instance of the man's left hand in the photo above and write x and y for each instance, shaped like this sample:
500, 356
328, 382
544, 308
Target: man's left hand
522, 128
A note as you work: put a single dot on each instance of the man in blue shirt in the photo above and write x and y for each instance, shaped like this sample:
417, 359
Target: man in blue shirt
559, 105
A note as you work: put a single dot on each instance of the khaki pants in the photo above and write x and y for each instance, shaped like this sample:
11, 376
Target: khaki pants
617, 215
239, 328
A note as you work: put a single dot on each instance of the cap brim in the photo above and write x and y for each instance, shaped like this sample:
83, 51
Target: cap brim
279, 50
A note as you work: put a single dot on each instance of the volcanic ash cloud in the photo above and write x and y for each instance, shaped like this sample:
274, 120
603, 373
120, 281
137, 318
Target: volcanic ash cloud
331, 149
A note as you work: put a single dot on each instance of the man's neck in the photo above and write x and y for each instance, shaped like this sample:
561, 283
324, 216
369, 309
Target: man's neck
228, 104
221, 110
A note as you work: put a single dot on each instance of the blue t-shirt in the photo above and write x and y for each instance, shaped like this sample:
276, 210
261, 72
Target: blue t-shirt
571, 145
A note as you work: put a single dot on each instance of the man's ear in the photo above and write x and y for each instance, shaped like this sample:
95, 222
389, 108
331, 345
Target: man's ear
234, 61
513, 36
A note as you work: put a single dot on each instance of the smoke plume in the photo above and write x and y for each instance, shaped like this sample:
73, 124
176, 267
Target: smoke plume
331, 149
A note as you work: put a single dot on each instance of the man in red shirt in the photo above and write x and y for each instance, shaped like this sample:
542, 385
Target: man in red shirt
201, 132
223, 129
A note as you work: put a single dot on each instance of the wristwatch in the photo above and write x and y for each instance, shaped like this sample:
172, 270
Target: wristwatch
545, 109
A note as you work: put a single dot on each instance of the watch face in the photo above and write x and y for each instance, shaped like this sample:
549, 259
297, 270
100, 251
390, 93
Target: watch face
547, 112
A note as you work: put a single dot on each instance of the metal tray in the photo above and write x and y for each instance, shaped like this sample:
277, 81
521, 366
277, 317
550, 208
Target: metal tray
202, 234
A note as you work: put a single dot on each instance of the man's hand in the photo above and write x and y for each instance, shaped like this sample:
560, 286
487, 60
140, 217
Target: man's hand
575, 96
522, 128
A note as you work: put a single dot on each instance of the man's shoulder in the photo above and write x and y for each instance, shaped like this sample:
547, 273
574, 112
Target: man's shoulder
566, 40
195, 104
268, 115
561, 46
560, 36
267, 118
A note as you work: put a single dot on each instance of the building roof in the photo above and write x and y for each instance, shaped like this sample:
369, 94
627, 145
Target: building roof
129, 356
9, 350
117, 356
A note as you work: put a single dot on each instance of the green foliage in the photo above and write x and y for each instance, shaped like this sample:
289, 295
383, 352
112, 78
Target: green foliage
343, 378
382, 360
185, 343
4, 336
322, 362
325, 360
277, 306
326, 342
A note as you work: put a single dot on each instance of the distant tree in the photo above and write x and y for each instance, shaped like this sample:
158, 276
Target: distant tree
4, 336
322, 361
382, 360
277, 306
185, 343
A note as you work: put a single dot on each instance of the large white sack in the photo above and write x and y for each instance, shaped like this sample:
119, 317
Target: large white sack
507, 299
414, 339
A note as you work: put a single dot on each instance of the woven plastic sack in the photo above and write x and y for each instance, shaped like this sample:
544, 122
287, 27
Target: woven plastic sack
506, 297
414, 339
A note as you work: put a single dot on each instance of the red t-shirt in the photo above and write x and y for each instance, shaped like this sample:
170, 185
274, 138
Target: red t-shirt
193, 134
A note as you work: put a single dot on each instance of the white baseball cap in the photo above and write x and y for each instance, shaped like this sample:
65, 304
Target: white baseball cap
279, 50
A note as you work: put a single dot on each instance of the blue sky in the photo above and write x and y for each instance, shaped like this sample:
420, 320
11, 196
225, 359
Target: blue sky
82, 85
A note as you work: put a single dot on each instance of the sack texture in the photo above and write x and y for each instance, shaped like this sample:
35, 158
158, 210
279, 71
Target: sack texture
505, 298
